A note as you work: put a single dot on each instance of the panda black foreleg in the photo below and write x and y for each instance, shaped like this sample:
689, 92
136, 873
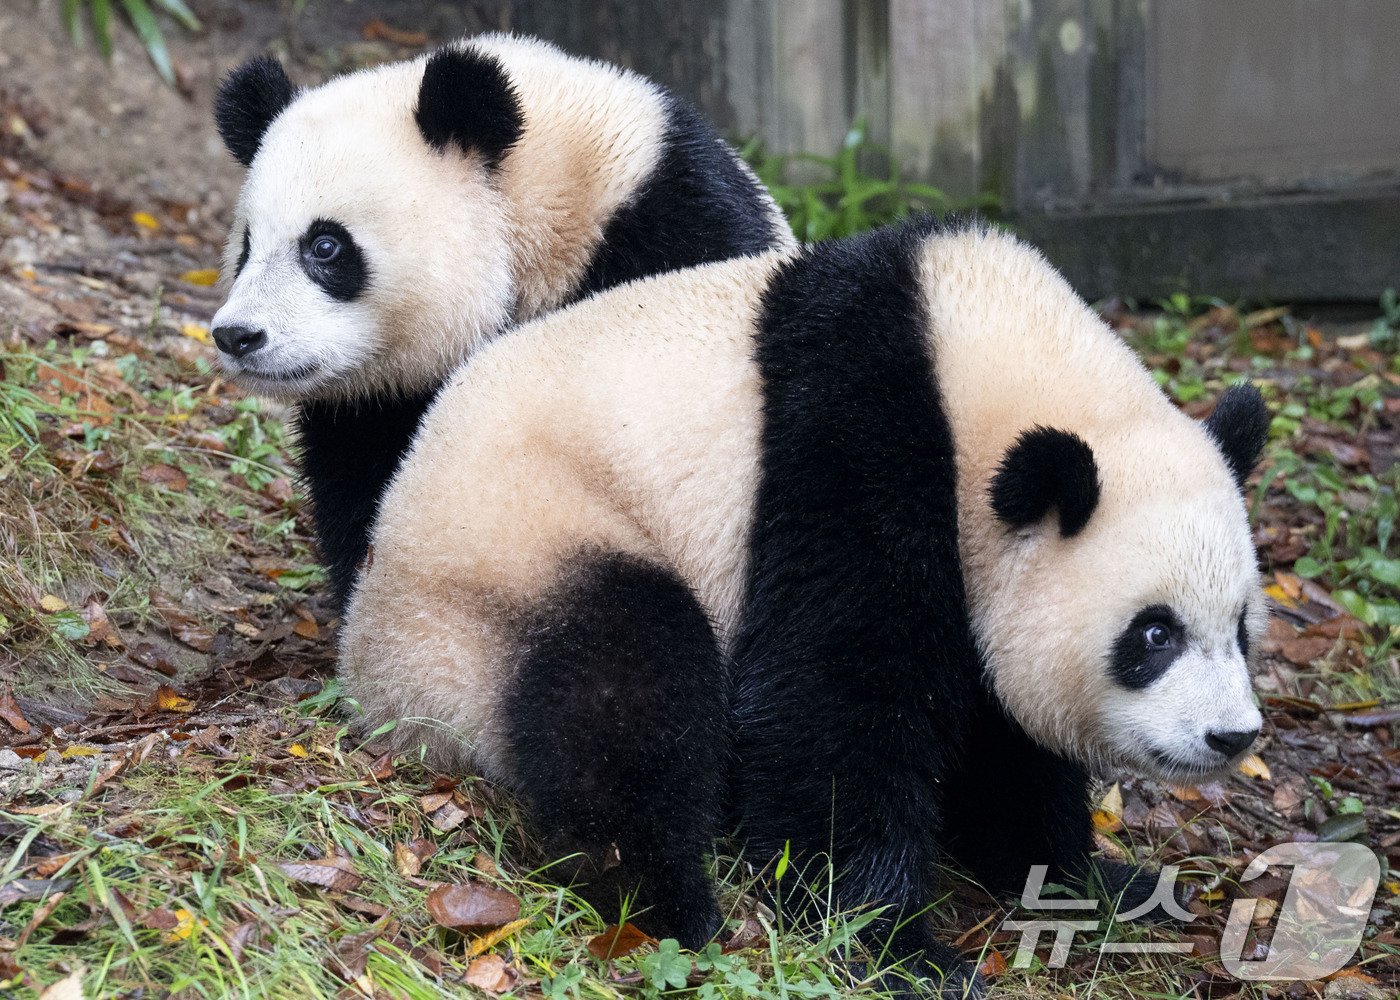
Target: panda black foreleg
1013, 804
616, 733
848, 786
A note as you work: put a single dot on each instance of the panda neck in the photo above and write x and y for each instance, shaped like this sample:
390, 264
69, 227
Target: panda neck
350, 449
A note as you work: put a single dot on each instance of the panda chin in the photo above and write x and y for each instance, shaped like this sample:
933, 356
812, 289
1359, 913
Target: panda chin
1175, 767
286, 383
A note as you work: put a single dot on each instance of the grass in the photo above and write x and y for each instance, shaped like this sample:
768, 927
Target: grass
179, 870
114, 481
143, 20
172, 883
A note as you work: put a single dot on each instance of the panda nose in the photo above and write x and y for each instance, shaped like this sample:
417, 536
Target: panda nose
1230, 744
239, 341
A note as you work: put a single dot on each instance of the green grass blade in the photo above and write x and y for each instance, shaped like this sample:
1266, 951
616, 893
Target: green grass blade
102, 26
71, 23
149, 32
181, 13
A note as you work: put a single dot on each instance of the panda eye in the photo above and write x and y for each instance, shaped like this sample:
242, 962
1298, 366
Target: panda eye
325, 249
1157, 636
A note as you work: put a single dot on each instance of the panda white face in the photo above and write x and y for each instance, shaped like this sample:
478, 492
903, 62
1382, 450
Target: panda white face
1117, 626
364, 258
296, 321
1175, 697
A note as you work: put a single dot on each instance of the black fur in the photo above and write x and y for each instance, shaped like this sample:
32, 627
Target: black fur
1240, 427
1013, 804
349, 452
346, 276
856, 674
466, 100
1047, 468
1134, 664
1242, 636
249, 98
697, 199
616, 725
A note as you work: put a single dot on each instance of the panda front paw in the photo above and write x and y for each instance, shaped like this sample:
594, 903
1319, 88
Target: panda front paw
939, 971
1139, 891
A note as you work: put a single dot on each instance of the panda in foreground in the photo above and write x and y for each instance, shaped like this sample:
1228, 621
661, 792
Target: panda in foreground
394, 219
900, 512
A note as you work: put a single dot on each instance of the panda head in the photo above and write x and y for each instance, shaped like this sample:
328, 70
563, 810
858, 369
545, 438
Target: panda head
370, 248
1122, 598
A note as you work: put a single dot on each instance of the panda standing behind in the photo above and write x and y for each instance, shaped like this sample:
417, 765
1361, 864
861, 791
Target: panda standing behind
900, 511
396, 218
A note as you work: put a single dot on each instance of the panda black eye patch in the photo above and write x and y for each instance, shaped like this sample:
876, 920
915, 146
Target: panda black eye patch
1147, 647
331, 258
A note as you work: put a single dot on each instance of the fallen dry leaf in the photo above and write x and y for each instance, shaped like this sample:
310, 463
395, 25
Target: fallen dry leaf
472, 906
241, 937
492, 973
9, 711
1253, 766
449, 815
152, 657
167, 699
165, 476
336, 874
1303, 650
186, 924
618, 940
70, 987
486, 942
162, 918
205, 276
377, 29
993, 964
182, 625
1108, 817
407, 863
100, 628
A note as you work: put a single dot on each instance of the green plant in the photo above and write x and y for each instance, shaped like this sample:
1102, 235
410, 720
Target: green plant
1385, 332
142, 19
846, 200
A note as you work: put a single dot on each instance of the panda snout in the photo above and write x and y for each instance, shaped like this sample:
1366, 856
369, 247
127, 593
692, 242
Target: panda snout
1230, 744
239, 341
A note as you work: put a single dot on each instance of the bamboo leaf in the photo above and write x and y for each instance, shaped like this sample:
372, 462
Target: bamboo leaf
102, 26
181, 13
71, 23
149, 32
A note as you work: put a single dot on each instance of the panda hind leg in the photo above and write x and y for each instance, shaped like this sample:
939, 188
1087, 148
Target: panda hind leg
616, 733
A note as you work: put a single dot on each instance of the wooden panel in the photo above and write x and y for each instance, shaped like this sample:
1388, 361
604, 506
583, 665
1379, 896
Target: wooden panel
944, 62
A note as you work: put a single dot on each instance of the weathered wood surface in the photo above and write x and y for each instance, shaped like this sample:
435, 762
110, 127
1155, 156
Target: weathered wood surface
1129, 124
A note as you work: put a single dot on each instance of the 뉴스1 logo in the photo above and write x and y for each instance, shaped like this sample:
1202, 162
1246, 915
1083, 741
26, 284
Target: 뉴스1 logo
1317, 928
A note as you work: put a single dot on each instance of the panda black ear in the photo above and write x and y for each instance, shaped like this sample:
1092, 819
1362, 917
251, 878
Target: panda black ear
1240, 426
467, 100
249, 99
1046, 468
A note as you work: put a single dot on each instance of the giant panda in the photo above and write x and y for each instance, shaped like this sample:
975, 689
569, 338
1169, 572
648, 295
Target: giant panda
892, 534
394, 219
